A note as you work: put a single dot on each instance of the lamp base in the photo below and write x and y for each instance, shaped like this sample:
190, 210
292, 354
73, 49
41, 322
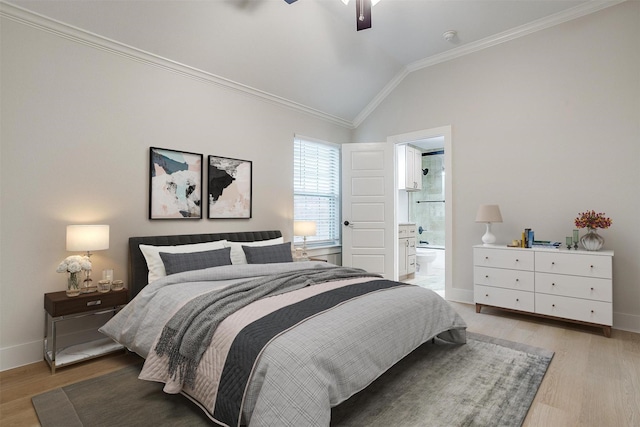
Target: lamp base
488, 238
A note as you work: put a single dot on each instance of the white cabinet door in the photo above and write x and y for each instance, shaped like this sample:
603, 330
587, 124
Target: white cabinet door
417, 169
403, 267
409, 168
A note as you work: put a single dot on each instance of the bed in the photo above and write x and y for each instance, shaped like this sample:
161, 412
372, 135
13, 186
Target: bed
289, 341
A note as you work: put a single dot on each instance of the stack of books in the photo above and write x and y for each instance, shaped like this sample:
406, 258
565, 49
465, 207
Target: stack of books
546, 244
528, 241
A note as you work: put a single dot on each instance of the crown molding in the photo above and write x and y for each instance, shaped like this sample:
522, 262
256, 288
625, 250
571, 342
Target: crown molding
87, 38
96, 41
503, 37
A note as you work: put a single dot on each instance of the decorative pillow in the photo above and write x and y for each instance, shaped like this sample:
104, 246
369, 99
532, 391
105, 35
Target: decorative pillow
155, 264
177, 263
268, 254
237, 254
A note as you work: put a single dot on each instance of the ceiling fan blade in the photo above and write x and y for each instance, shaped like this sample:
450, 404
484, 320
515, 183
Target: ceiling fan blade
363, 14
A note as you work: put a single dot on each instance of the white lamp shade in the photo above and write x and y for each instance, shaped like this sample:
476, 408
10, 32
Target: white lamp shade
304, 228
87, 237
488, 213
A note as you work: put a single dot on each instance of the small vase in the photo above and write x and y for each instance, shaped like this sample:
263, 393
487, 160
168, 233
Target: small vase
73, 284
592, 241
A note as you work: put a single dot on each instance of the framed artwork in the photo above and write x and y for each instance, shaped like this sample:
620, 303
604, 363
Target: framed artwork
175, 189
229, 187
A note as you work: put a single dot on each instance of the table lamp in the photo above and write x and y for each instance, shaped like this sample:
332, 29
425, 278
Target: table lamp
304, 229
87, 238
488, 214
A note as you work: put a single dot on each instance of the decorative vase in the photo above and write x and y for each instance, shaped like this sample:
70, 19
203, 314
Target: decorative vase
592, 241
73, 284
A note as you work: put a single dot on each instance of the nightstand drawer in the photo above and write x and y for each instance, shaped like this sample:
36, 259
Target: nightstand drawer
59, 304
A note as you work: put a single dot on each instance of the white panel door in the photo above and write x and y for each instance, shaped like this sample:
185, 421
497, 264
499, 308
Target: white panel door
368, 239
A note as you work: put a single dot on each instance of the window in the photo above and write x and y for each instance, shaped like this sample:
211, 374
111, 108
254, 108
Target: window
316, 189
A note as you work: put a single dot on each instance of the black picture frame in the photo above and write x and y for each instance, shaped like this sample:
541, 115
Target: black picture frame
175, 184
230, 187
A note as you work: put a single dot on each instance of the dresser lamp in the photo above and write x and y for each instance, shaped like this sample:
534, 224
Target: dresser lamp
304, 229
488, 214
87, 238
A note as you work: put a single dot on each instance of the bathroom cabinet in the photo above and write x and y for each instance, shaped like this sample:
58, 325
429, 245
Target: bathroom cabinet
409, 168
406, 250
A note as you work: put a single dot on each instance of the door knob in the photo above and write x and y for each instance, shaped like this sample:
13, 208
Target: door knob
346, 223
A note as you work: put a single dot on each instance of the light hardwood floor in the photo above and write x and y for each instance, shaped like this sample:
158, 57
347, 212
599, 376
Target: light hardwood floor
592, 380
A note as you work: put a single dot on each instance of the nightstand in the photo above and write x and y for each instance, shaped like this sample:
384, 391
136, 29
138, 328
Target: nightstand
59, 307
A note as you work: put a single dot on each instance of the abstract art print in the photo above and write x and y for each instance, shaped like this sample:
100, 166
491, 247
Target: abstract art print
229, 188
175, 190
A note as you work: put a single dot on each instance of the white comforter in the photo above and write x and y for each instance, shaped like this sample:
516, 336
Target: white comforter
306, 370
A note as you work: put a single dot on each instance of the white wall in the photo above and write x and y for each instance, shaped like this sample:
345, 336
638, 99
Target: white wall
546, 126
77, 124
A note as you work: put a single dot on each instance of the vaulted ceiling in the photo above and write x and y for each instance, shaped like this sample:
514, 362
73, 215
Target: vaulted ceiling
309, 52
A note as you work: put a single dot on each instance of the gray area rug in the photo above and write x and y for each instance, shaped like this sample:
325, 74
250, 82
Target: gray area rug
486, 382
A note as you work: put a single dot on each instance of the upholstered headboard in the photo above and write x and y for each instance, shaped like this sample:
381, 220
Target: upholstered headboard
138, 271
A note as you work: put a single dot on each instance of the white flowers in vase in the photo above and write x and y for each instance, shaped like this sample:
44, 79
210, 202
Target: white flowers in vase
74, 264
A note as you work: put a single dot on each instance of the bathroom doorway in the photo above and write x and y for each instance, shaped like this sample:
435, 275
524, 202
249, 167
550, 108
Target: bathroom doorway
427, 209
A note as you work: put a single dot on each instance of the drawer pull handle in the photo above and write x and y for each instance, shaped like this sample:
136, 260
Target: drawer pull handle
517, 280
486, 257
592, 311
553, 284
486, 295
553, 263
92, 303
517, 260
592, 289
486, 276
553, 305
517, 299
591, 266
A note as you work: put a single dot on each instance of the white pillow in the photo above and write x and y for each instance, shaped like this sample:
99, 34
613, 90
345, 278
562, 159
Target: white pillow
155, 264
237, 254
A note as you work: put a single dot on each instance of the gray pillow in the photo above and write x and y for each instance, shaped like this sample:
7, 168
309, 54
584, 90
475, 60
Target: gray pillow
268, 254
177, 263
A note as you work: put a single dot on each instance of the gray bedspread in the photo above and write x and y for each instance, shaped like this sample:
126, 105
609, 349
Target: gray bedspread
306, 370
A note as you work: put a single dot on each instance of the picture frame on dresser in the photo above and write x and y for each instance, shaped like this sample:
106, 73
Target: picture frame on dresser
229, 188
573, 286
175, 184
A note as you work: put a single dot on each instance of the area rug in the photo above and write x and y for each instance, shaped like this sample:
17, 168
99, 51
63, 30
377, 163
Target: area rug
486, 382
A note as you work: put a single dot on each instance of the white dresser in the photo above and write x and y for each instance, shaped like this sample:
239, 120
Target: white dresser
571, 285
406, 250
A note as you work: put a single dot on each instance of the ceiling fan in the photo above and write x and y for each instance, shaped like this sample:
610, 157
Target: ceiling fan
363, 12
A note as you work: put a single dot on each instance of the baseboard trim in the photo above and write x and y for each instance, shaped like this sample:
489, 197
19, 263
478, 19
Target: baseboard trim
32, 352
626, 322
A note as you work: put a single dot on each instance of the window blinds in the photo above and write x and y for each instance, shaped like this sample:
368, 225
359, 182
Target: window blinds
316, 189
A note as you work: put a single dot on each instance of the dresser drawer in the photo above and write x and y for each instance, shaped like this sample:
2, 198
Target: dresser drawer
575, 309
575, 264
503, 278
506, 298
574, 286
501, 258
